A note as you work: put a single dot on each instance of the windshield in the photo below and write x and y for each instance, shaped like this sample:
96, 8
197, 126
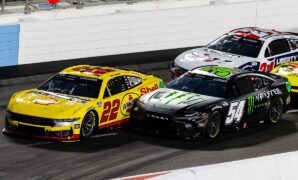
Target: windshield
73, 85
237, 45
199, 84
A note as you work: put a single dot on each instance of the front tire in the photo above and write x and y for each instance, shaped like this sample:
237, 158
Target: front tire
275, 110
88, 125
213, 125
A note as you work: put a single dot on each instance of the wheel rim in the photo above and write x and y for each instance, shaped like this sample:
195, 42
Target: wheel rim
88, 124
275, 111
214, 126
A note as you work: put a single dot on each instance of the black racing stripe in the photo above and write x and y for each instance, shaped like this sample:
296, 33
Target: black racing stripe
30, 119
294, 87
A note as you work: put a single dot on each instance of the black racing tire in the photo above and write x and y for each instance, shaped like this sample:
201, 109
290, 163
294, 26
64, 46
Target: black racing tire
88, 125
213, 125
275, 110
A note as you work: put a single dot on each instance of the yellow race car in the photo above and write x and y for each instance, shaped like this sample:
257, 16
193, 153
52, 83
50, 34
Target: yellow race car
77, 101
290, 71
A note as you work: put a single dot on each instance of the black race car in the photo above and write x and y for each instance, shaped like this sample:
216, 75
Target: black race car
209, 99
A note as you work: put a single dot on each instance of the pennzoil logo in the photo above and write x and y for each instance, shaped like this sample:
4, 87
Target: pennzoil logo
128, 101
250, 105
45, 101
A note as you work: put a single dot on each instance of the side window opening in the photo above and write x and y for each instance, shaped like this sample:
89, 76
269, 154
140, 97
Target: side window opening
267, 52
233, 93
117, 85
133, 81
260, 82
107, 93
244, 85
294, 43
279, 46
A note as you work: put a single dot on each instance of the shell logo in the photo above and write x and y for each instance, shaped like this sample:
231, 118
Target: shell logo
45, 101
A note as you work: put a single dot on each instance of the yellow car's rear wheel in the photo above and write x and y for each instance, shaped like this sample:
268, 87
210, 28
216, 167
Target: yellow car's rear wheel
88, 125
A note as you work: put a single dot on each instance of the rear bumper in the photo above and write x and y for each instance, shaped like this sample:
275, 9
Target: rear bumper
41, 132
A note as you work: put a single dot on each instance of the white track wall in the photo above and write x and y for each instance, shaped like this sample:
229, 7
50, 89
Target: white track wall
139, 31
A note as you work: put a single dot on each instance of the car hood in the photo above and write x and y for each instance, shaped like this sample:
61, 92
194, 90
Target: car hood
169, 101
204, 56
45, 104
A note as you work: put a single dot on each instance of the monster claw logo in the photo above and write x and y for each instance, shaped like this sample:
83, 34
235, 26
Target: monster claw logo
251, 105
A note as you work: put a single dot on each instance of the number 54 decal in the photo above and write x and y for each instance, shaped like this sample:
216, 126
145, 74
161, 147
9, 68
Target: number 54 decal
110, 111
235, 112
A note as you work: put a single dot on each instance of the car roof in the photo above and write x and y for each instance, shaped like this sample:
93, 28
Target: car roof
99, 72
218, 71
258, 33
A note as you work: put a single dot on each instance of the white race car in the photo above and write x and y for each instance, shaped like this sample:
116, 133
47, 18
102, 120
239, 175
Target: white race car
246, 48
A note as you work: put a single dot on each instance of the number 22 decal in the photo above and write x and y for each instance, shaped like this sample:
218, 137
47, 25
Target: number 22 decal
235, 112
110, 110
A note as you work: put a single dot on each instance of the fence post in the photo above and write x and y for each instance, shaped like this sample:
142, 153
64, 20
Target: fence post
79, 4
27, 9
2, 6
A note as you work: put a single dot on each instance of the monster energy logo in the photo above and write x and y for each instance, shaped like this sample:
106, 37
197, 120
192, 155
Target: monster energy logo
251, 105
175, 95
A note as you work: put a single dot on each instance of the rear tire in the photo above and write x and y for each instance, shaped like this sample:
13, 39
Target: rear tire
88, 125
213, 125
275, 110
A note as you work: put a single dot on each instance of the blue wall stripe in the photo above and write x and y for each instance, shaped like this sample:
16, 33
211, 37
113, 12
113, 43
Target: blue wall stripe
10, 29
11, 37
9, 45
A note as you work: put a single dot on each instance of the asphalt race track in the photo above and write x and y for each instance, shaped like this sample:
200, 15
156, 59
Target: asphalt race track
118, 153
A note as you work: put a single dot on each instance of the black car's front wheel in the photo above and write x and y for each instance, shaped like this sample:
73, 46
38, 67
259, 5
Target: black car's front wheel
213, 125
275, 110
88, 125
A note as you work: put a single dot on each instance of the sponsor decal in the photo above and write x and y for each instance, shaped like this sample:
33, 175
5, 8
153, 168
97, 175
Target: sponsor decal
254, 65
194, 101
267, 94
281, 60
176, 97
270, 63
161, 84
128, 101
50, 94
45, 101
262, 105
160, 117
94, 70
196, 56
250, 104
267, 67
219, 71
110, 110
288, 85
235, 112
146, 90
220, 80
186, 98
